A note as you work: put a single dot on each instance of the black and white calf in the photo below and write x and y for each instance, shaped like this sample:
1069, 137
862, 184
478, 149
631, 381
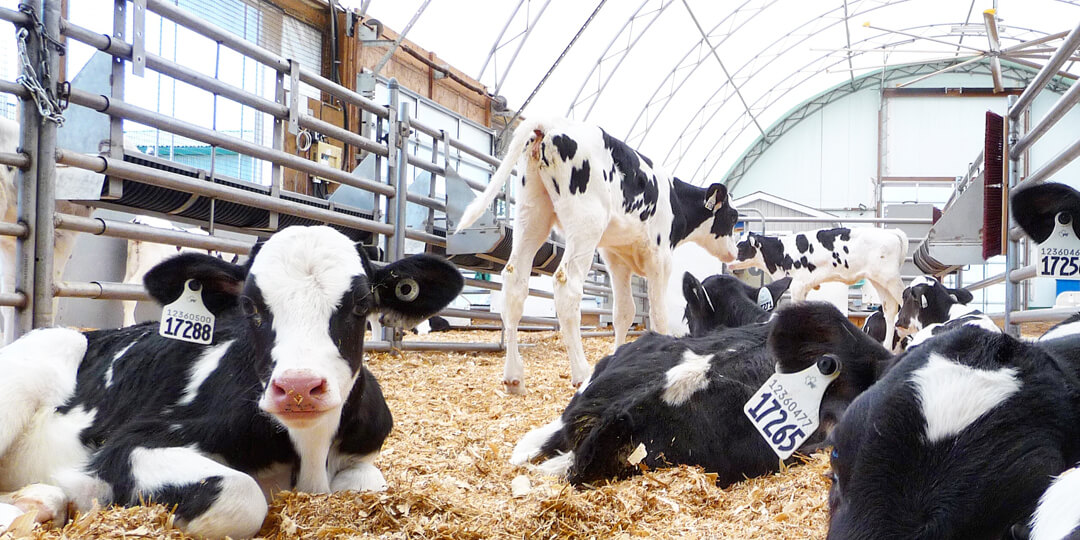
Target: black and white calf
279, 400
722, 301
602, 194
682, 398
959, 439
845, 255
874, 326
931, 309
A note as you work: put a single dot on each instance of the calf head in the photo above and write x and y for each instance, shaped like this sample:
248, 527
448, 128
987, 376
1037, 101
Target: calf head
722, 223
957, 440
304, 296
926, 301
722, 301
809, 333
1036, 207
750, 252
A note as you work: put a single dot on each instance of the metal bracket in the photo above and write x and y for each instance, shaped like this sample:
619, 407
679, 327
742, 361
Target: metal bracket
294, 97
138, 38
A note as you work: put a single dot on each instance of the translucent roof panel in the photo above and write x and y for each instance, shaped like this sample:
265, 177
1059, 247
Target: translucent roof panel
693, 83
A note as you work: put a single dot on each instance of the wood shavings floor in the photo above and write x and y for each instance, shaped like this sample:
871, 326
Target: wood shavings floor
446, 464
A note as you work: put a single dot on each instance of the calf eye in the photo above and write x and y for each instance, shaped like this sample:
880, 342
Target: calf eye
248, 308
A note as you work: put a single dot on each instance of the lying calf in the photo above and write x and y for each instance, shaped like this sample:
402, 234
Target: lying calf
930, 309
723, 301
683, 398
958, 440
278, 399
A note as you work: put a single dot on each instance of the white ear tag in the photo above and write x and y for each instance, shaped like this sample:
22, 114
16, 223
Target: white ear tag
785, 409
924, 302
1059, 255
765, 299
186, 318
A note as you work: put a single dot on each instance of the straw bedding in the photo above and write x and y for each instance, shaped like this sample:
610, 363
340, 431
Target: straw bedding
446, 464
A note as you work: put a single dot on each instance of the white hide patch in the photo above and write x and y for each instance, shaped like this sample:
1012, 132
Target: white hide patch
1064, 330
689, 376
116, 358
953, 395
529, 445
558, 465
201, 370
1058, 513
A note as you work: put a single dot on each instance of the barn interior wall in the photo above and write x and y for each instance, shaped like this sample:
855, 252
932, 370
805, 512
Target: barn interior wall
829, 161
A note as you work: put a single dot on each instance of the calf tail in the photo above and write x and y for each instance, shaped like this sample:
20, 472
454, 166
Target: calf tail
522, 136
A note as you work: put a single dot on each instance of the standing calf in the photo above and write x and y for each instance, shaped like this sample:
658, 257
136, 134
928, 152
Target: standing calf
280, 399
845, 255
683, 398
602, 194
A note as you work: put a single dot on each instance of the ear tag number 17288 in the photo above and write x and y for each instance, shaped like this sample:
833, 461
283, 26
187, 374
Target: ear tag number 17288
785, 409
186, 318
1059, 255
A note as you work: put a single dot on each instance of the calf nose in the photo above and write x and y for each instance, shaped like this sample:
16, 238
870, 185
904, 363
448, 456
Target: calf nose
298, 392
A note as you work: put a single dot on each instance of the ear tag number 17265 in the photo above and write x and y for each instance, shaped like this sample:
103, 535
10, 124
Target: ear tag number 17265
186, 318
1059, 255
785, 409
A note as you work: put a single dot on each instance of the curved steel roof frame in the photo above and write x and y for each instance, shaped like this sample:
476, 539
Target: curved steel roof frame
621, 54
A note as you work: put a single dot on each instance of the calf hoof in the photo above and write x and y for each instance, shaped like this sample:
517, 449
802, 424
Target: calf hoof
515, 386
49, 502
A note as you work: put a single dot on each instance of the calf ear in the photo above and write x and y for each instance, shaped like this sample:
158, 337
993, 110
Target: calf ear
222, 281
715, 196
414, 288
962, 296
777, 289
691, 289
1035, 208
804, 332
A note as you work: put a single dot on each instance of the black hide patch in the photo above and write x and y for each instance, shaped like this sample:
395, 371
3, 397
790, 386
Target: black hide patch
579, 178
828, 237
566, 146
639, 190
801, 243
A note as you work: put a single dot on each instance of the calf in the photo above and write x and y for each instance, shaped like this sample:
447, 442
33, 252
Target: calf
600, 193
683, 398
925, 452
930, 309
725, 302
845, 255
279, 400
63, 241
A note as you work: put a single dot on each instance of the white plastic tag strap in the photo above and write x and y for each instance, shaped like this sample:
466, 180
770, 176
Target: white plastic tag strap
186, 318
785, 409
1059, 255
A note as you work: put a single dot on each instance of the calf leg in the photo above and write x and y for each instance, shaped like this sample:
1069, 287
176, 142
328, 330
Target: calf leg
359, 474
622, 296
658, 280
531, 229
569, 279
210, 499
890, 292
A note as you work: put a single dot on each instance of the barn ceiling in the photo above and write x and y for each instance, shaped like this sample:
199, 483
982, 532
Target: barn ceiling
695, 83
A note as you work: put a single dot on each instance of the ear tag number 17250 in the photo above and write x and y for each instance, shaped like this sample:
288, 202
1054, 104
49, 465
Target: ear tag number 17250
186, 318
1059, 255
785, 409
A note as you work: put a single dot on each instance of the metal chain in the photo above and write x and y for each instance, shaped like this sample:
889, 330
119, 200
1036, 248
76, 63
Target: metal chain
50, 104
